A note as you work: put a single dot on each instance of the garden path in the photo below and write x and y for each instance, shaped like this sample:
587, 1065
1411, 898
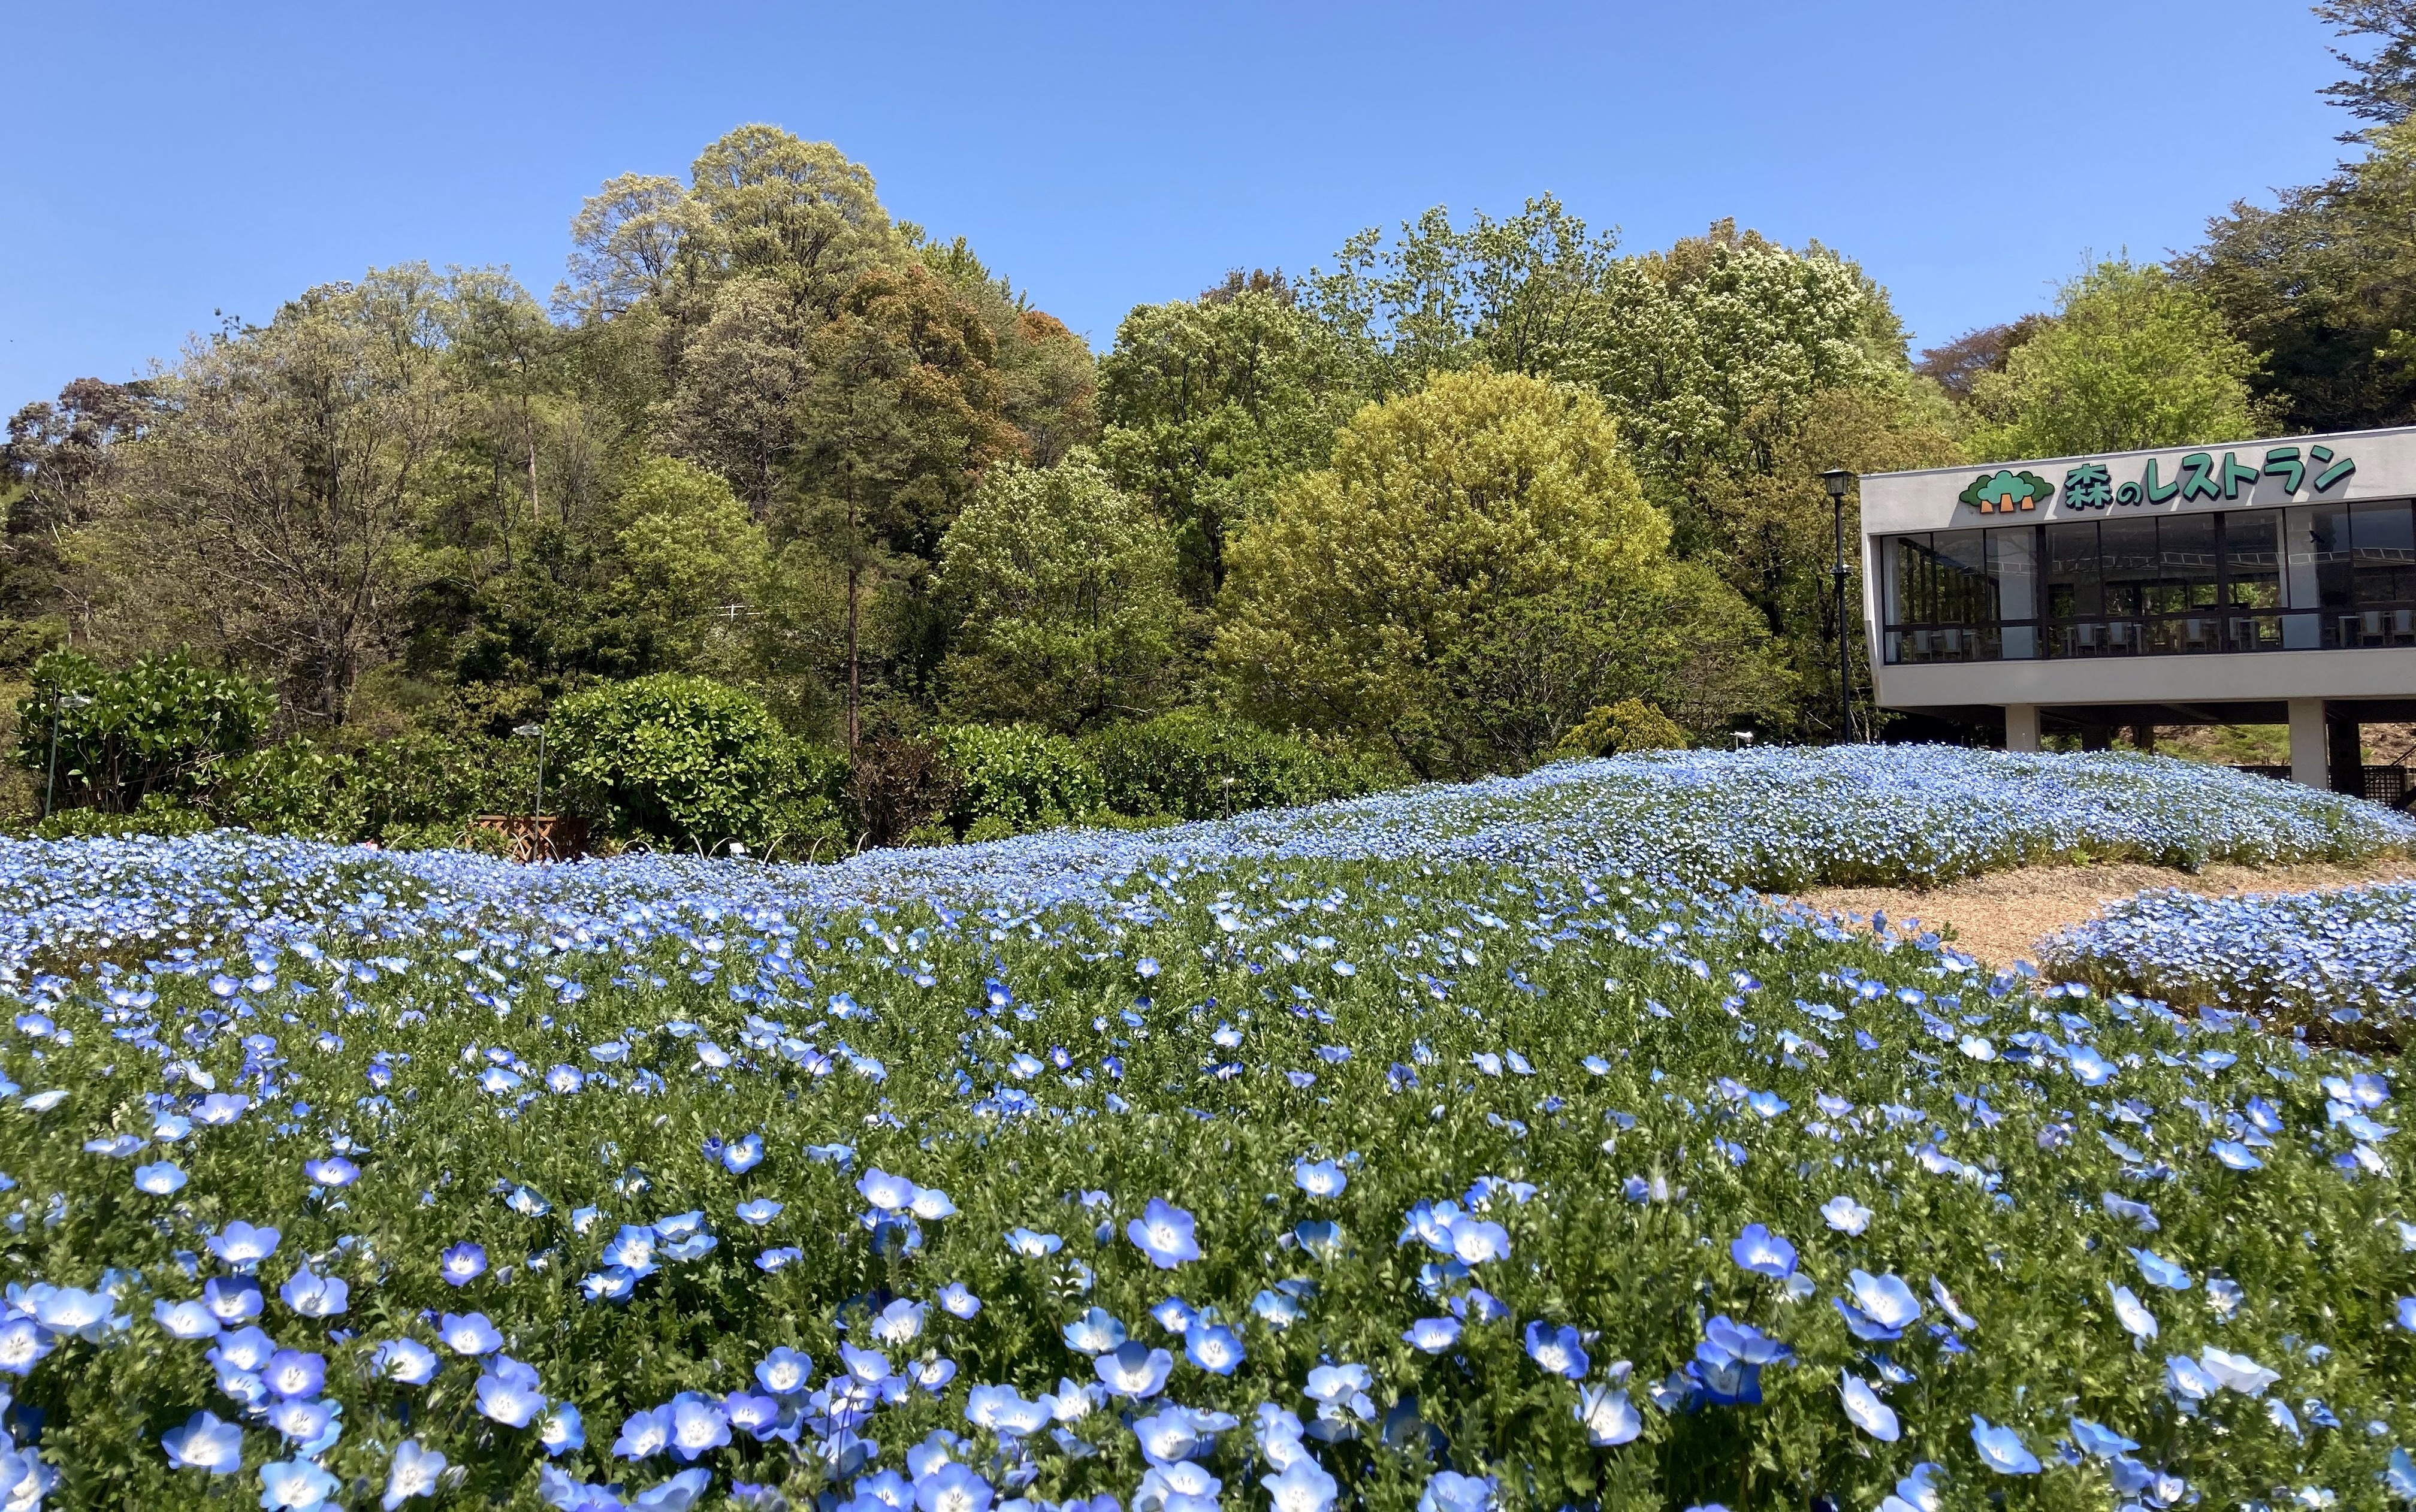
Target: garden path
2001, 917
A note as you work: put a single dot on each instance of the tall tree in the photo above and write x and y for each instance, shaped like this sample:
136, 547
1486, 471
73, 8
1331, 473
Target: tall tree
2135, 359
1211, 402
1475, 573
2381, 88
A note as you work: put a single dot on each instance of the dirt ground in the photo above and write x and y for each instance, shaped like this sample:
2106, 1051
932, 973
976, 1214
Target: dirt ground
2000, 917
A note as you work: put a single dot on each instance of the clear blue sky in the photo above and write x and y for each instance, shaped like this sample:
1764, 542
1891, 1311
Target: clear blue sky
166, 160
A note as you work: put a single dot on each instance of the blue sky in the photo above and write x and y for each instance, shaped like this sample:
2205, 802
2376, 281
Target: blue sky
167, 161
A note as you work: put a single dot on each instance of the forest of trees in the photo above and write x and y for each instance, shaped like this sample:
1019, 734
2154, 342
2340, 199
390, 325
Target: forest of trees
1481, 492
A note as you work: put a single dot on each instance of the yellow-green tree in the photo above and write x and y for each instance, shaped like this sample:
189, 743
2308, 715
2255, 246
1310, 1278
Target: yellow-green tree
691, 550
2134, 359
1064, 595
1475, 570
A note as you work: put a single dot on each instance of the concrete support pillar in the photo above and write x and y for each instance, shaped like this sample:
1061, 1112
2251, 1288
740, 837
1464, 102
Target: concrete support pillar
2021, 726
2308, 759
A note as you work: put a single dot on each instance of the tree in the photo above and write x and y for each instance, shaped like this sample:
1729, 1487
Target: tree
1210, 402
162, 725
2381, 88
272, 503
690, 549
59, 469
1063, 590
1474, 572
2135, 359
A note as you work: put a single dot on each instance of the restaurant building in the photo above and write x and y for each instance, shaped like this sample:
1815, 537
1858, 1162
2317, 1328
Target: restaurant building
2252, 582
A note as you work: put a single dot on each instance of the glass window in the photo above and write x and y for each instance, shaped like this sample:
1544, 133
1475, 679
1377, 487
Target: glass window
2072, 578
2385, 552
2252, 559
2329, 540
2128, 557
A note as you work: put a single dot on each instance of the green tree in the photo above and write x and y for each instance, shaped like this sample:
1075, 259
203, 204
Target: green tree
691, 550
2135, 359
682, 761
1062, 591
1475, 572
1210, 402
160, 728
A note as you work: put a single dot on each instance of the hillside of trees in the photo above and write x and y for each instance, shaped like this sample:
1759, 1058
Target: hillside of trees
798, 525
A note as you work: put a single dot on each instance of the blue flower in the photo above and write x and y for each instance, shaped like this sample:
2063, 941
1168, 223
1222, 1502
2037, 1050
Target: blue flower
314, 1296
2236, 1156
761, 1211
406, 1361
159, 1178
1212, 1347
1134, 1370
1762, 1252
952, 1488
1609, 1417
1557, 1351
1031, 1245
1433, 1335
413, 1473
1320, 1178
332, 1171
507, 1393
1886, 1300
1845, 1215
204, 1442
958, 1301
643, 1434
2099, 1442
744, 1155
1301, 1486
784, 1372
1095, 1332
2160, 1271
463, 1264
295, 1483
293, 1373
1163, 1233
469, 1334
2001, 1450
184, 1320
1449, 1491
1865, 1410
240, 1244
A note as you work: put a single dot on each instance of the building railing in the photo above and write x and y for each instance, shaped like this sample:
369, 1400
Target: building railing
2192, 632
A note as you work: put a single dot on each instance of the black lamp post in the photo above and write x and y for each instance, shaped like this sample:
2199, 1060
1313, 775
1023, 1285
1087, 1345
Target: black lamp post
64, 702
1838, 480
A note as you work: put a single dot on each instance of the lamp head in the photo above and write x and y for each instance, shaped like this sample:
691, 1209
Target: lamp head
528, 731
1836, 480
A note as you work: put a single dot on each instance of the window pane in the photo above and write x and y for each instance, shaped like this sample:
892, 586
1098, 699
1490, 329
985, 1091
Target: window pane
2328, 542
2072, 580
2187, 577
2252, 559
2128, 556
2386, 553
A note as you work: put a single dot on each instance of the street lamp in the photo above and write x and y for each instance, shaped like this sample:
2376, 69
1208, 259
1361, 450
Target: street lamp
1838, 480
64, 702
538, 733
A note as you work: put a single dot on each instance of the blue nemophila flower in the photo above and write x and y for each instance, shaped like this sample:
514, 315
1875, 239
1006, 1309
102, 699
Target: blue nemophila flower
1318, 1179
240, 1244
1865, 1410
2001, 1450
1147, 966
1433, 1335
2160, 1271
632, 1250
1134, 1370
773, 1259
1095, 1332
469, 1334
952, 1488
887, 1193
760, 1211
22, 1345
507, 1392
1609, 1419
2237, 1372
295, 1483
1301, 1485
1173, 1314
564, 1080
1164, 1233
1557, 1351
758, 1417
463, 1264
291, 1372
899, 1323
413, 1473
117, 1147
232, 1299
1845, 1215
204, 1442
932, 1204
743, 1155
313, 1295
1212, 1347
2131, 1313
332, 1171
958, 1301
785, 1372
406, 1361
2099, 1442
2118, 1205
184, 1320
643, 1434
311, 1426
1031, 1244
1762, 1252
2186, 1379
1450, 1492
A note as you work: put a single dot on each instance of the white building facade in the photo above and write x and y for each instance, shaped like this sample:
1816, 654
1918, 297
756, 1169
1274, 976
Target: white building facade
2252, 582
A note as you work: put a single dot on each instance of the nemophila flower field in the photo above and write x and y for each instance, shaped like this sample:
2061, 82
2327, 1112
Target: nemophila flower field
1463, 1148
2346, 957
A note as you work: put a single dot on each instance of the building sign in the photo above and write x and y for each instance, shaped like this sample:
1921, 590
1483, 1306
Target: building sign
2091, 485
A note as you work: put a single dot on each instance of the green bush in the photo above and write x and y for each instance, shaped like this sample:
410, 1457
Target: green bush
1194, 765
1618, 728
686, 762
296, 788
160, 727
1024, 779
156, 814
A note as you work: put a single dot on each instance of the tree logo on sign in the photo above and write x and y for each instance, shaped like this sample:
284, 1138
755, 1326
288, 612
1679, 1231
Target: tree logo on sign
2003, 491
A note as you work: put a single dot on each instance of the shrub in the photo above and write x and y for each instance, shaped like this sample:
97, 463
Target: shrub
678, 760
1616, 729
296, 788
156, 814
161, 725
1025, 779
898, 786
1194, 765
